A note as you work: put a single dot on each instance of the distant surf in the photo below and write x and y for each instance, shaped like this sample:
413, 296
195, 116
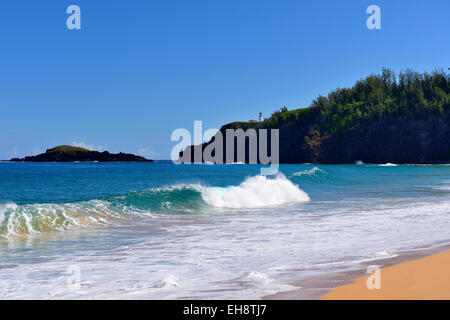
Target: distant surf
388, 165
308, 172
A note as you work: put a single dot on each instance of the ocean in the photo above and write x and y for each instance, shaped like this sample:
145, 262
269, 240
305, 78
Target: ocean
165, 231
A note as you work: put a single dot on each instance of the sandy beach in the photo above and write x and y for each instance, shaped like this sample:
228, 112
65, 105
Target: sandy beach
426, 278
417, 274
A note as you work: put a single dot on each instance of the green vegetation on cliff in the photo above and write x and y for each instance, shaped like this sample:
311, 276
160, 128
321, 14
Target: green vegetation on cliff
414, 95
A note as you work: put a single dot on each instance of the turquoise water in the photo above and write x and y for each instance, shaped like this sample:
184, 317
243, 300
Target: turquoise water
159, 230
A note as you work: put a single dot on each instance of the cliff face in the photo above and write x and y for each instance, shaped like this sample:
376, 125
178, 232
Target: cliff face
376, 121
71, 154
395, 140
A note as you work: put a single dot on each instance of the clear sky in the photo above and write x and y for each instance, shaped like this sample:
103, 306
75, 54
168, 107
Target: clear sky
137, 70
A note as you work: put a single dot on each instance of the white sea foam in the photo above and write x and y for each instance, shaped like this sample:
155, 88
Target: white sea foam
5, 207
307, 172
255, 192
444, 188
192, 186
168, 282
255, 277
388, 165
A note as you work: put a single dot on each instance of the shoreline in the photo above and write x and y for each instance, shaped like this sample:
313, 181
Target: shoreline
327, 285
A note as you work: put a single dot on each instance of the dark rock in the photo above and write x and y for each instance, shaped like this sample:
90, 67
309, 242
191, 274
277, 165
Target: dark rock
72, 154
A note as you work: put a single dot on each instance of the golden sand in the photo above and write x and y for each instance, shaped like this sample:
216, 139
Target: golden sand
424, 279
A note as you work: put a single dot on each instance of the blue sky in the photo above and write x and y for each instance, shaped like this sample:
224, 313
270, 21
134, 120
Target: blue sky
137, 70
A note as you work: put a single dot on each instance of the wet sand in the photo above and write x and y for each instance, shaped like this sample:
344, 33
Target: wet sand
418, 274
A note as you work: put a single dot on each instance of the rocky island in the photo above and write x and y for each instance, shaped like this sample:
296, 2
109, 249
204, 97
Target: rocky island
71, 154
382, 118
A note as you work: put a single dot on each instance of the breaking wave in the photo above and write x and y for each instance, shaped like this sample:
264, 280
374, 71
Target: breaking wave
254, 192
34, 219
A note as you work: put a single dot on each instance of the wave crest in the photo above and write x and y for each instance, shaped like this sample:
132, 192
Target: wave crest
33, 219
255, 192
307, 172
388, 165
